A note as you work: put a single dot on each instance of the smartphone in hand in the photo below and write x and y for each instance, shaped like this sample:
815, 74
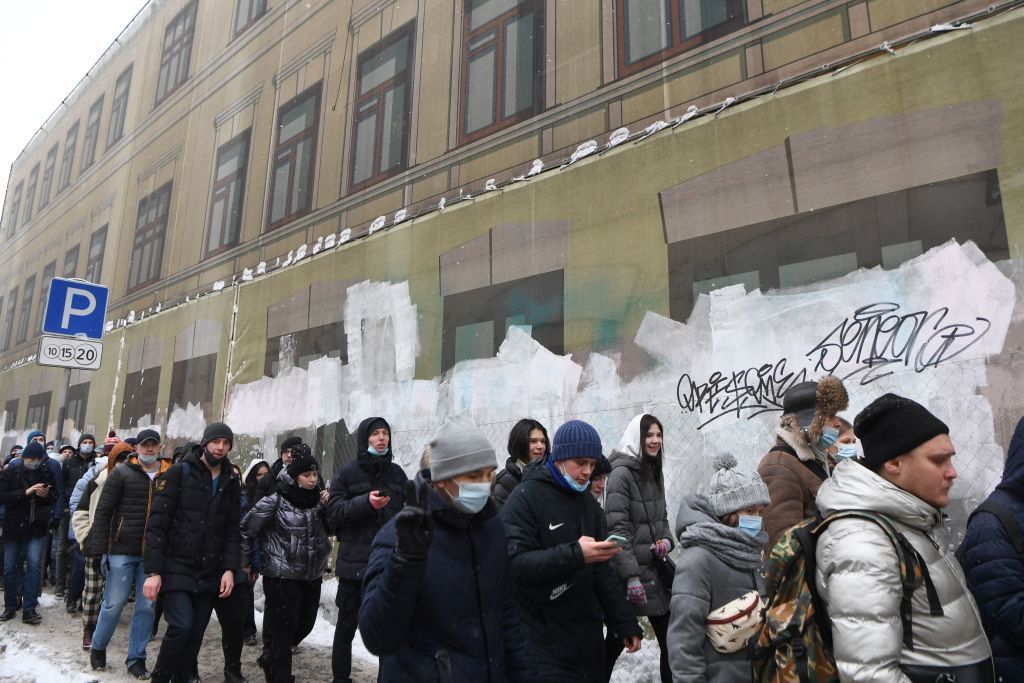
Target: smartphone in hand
615, 538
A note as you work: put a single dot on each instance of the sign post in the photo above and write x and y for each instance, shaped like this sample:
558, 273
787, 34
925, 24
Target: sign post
72, 329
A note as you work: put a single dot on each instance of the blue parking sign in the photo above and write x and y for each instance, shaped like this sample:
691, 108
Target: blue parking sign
75, 307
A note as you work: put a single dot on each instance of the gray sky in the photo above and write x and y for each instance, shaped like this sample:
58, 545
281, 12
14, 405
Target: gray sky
46, 47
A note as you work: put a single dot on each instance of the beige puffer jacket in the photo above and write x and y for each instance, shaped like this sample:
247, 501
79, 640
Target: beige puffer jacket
858, 577
81, 520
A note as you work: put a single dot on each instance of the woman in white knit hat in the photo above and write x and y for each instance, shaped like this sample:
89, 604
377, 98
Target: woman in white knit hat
716, 600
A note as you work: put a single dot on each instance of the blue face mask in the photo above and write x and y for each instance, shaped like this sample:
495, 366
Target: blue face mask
472, 497
829, 436
576, 486
750, 524
375, 453
845, 451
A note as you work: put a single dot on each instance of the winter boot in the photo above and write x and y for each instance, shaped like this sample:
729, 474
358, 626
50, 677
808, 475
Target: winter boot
31, 617
86, 639
138, 670
233, 674
8, 614
98, 659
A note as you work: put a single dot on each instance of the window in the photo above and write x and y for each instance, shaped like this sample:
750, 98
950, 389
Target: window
192, 381
69, 157
70, 262
38, 414
92, 134
247, 13
26, 308
148, 244
78, 401
299, 349
119, 109
225, 222
651, 31
177, 52
140, 390
503, 58
381, 134
44, 293
11, 408
30, 195
291, 184
48, 170
12, 305
94, 259
12, 217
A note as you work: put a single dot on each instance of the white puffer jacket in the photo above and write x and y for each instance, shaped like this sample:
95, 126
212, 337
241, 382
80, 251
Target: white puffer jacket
858, 577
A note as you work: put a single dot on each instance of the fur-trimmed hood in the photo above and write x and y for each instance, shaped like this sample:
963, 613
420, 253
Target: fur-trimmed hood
789, 431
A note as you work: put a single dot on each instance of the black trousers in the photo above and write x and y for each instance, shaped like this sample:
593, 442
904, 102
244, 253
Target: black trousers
231, 615
288, 617
187, 615
350, 595
613, 647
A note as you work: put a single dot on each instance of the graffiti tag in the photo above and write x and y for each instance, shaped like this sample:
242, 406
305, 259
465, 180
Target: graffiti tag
742, 393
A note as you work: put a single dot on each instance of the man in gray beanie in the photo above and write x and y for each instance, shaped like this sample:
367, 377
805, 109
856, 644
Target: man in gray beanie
438, 576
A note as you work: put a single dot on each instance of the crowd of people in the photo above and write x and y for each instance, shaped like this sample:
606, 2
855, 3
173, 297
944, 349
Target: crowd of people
547, 570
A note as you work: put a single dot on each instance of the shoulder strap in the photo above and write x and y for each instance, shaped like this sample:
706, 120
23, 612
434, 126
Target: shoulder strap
784, 448
813, 465
1007, 519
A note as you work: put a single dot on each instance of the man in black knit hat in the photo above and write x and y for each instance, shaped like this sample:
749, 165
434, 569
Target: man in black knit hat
268, 484
192, 548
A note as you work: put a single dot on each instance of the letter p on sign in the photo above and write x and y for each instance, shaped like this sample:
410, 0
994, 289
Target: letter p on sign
69, 304
75, 308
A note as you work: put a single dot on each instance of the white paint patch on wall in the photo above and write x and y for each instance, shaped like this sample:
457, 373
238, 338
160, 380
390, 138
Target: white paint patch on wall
186, 423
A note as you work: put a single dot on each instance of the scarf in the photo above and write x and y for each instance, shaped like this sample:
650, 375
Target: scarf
298, 496
732, 546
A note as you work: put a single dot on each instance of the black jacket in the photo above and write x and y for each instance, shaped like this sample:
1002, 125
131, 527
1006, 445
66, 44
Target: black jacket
506, 480
71, 471
193, 537
268, 484
562, 601
25, 516
451, 617
119, 524
349, 510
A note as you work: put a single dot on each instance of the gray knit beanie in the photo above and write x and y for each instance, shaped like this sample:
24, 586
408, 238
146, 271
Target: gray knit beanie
730, 489
459, 447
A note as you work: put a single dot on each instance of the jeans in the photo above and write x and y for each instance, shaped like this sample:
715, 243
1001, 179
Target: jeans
293, 605
350, 595
29, 551
123, 570
76, 582
187, 615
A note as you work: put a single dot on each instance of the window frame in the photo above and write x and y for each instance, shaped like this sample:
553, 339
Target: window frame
221, 188
49, 169
44, 292
27, 294
38, 405
171, 54
12, 217
251, 18
499, 25
677, 43
68, 162
30, 194
77, 251
313, 133
406, 31
92, 135
96, 260
9, 319
144, 235
11, 408
119, 107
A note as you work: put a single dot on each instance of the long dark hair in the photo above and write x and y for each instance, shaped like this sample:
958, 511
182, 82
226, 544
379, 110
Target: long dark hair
652, 467
519, 438
251, 481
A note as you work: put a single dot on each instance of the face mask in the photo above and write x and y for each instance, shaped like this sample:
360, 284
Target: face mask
829, 435
50, 452
375, 453
212, 459
472, 497
750, 524
148, 459
86, 448
31, 464
576, 486
845, 451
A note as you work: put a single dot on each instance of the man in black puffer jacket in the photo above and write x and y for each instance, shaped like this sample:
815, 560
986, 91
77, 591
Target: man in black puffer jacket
365, 494
193, 547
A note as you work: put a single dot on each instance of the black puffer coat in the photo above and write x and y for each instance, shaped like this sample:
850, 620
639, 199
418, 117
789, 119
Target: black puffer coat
25, 516
71, 471
192, 537
563, 602
119, 525
349, 510
295, 542
505, 481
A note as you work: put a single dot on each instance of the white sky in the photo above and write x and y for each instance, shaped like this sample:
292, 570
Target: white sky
46, 47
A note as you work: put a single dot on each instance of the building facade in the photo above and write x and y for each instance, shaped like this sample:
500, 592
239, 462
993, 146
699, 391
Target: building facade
308, 212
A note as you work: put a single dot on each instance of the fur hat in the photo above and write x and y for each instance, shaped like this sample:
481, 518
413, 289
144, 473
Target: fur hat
807, 406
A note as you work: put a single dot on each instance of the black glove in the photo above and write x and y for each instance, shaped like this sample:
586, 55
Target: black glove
54, 524
413, 524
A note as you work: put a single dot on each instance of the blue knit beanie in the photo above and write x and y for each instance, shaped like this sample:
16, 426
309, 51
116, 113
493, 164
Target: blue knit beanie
575, 439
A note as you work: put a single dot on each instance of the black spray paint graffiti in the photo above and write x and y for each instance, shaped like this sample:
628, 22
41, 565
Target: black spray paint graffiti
876, 339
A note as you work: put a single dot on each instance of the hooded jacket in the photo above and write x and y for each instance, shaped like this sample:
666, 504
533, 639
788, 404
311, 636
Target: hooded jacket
349, 510
563, 602
858, 577
451, 617
634, 505
294, 540
193, 533
995, 571
26, 516
72, 470
123, 509
792, 480
705, 580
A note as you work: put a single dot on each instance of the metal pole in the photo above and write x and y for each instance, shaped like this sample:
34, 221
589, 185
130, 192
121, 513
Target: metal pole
62, 410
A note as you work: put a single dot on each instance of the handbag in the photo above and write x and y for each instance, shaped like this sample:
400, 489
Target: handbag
730, 626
